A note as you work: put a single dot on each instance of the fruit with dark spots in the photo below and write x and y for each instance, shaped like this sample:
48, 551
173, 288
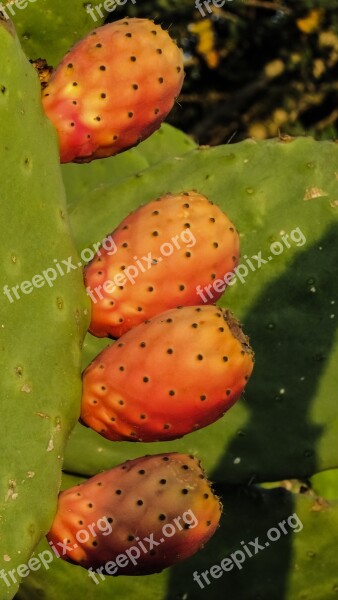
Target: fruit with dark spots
155, 511
169, 376
165, 250
113, 89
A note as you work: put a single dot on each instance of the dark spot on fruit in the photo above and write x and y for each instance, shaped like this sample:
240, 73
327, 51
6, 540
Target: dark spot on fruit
155, 212
129, 35
234, 258
121, 320
154, 32
135, 86
99, 45
110, 520
170, 351
202, 476
103, 95
225, 358
215, 245
111, 302
80, 522
186, 205
75, 83
97, 119
203, 397
199, 357
74, 102
118, 492
139, 502
205, 496
121, 402
133, 58
94, 543
90, 505
171, 392
120, 345
88, 136
185, 491
160, 80
121, 368
188, 254
141, 471
116, 137
145, 379
78, 494
166, 426
155, 233
186, 526
212, 220
161, 517
181, 287
72, 124
194, 325
221, 329
163, 481
130, 115
70, 65
178, 69
143, 344
187, 225
198, 309
130, 538
156, 111
143, 417
113, 419
139, 308
208, 523
228, 392
159, 51
102, 68
185, 467
231, 229
165, 458
246, 377
124, 245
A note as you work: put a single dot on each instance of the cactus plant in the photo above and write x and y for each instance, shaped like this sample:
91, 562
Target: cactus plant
282, 195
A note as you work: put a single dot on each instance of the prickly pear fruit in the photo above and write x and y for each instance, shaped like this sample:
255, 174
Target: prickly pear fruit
137, 518
113, 89
167, 377
164, 253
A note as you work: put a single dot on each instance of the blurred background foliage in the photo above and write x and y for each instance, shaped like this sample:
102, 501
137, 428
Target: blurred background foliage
258, 68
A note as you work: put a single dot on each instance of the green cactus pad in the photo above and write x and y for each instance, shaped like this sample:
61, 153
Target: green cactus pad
42, 330
48, 28
287, 425
300, 565
164, 143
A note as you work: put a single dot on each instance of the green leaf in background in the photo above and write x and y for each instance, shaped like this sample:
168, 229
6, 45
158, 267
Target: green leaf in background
164, 143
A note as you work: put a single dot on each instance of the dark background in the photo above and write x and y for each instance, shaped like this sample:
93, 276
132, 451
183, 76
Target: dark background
254, 67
